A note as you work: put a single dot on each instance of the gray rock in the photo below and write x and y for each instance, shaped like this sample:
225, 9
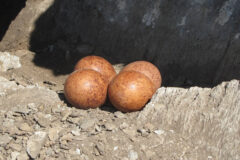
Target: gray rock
66, 137
9, 126
49, 152
35, 143
150, 154
143, 132
65, 114
74, 151
33, 107
87, 123
16, 147
99, 149
132, 155
149, 126
25, 127
73, 120
4, 140
159, 132
118, 68
7, 85
123, 125
119, 114
57, 109
23, 156
53, 133
84, 157
21, 109
131, 132
201, 113
8, 61
30, 95
1, 157
76, 132
109, 126
43, 120
14, 155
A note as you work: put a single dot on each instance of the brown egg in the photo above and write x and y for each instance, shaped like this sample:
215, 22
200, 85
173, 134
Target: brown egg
86, 89
148, 69
130, 91
98, 64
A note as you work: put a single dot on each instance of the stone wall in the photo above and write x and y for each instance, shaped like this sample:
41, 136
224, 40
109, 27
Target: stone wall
193, 42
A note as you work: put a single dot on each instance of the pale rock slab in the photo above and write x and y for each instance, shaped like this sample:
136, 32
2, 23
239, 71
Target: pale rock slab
35, 143
210, 116
8, 61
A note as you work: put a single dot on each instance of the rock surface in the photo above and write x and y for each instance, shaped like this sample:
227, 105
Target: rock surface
192, 42
203, 115
35, 143
189, 40
8, 61
193, 123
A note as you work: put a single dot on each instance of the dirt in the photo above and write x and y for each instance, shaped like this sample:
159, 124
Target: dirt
38, 123
30, 73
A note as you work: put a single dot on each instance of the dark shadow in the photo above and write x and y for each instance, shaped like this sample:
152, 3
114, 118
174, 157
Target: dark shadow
8, 11
107, 106
186, 55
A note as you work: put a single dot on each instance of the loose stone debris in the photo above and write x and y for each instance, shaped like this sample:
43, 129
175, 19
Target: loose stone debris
193, 123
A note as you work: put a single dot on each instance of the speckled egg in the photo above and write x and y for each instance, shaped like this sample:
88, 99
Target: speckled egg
148, 69
130, 91
98, 64
86, 89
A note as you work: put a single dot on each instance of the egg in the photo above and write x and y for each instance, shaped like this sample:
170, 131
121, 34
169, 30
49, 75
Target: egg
98, 64
148, 69
130, 91
86, 89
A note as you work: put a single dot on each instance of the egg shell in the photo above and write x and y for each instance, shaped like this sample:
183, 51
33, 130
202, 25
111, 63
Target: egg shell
98, 64
130, 91
148, 69
86, 89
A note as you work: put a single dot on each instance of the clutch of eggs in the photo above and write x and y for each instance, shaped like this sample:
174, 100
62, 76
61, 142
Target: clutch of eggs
94, 77
87, 86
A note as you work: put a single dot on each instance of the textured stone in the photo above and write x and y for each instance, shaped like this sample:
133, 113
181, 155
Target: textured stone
8, 61
109, 126
65, 114
204, 114
4, 140
35, 143
87, 123
22, 156
25, 127
14, 155
43, 120
53, 133
22, 96
16, 147
7, 85
132, 155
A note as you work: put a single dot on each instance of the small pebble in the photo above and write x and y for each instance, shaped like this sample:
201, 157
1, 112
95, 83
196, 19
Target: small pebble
132, 155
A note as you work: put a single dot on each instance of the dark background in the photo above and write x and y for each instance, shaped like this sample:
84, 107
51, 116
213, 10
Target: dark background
193, 43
